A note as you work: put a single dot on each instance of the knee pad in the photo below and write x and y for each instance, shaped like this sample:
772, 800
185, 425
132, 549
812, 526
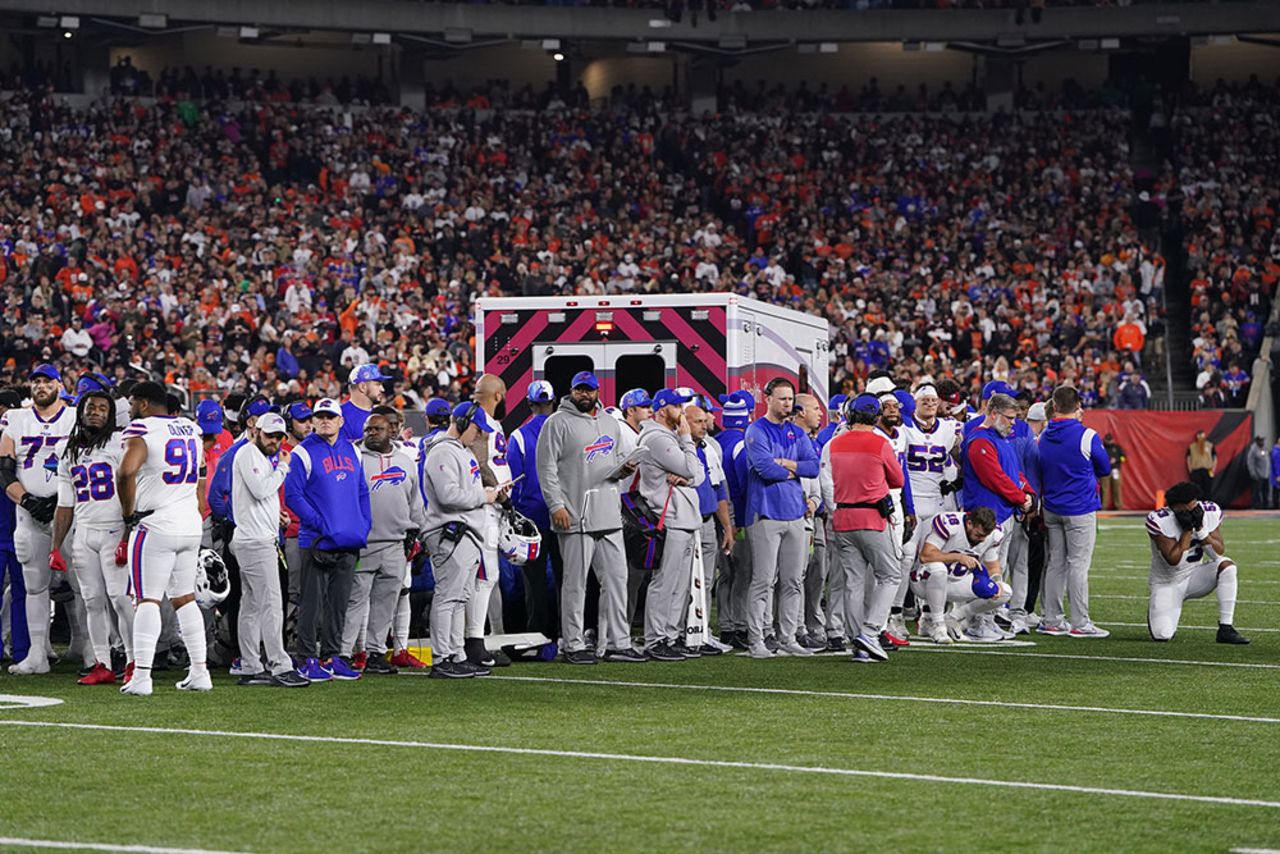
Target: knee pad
36, 580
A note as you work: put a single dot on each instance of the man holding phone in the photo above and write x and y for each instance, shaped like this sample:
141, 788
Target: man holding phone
579, 466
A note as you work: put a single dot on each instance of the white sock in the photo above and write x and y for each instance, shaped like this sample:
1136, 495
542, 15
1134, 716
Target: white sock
191, 627
124, 619
1227, 595
146, 633
38, 623
99, 620
400, 625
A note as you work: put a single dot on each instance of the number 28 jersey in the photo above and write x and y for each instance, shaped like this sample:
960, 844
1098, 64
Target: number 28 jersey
167, 481
88, 484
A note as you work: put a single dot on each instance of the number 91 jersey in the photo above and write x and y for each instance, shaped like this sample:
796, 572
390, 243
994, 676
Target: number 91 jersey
928, 455
168, 479
88, 484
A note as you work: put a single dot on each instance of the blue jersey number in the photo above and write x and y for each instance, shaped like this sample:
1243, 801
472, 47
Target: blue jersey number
183, 456
94, 483
931, 458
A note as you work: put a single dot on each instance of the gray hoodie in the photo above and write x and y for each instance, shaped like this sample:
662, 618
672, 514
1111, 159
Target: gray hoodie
394, 501
452, 487
577, 451
671, 453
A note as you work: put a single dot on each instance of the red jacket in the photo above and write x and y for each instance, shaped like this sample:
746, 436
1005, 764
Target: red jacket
863, 470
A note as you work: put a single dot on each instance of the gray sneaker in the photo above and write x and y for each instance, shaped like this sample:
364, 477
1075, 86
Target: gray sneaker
794, 649
759, 650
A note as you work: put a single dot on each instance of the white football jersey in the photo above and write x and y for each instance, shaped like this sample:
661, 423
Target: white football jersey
898, 441
498, 453
929, 463
947, 533
1163, 523
167, 481
89, 485
37, 444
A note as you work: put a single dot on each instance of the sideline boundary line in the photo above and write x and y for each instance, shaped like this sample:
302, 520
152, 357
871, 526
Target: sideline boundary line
1192, 628
1120, 658
13, 841
1219, 800
843, 695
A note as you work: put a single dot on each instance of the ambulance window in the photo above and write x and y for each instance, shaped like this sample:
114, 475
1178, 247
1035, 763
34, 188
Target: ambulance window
559, 371
803, 379
646, 371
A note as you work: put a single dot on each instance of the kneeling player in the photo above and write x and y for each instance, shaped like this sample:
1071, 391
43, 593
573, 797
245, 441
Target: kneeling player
960, 563
1187, 563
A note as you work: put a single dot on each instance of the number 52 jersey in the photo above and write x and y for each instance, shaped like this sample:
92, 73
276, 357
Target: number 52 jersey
167, 481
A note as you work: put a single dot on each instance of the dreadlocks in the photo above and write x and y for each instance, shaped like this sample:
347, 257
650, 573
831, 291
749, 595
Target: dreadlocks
82, 440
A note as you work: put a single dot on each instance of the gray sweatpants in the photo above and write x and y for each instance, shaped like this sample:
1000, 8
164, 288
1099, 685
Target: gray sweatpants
835, 618
260, 627
668, 598
602, 552
710, 551
1070, 551
871, 570
454, 566
375, 592
777, 558
815, 576
293, 559
1016, 570
733, 591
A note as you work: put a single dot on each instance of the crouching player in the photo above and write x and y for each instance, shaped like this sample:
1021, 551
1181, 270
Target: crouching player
960, 563
1187, 562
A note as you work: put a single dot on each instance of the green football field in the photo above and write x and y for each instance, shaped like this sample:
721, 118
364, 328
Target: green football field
1064, 745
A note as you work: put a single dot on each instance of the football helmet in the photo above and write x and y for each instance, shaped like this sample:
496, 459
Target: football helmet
213, 583
518, 538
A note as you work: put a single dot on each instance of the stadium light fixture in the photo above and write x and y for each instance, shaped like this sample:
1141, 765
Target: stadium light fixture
558, 56
659, 23
66, 34
828, 47
248, 32
1109, 44
69, 22
657, 47
153, 20
361, 38
382, 38
551, 44
457, 35
47, 21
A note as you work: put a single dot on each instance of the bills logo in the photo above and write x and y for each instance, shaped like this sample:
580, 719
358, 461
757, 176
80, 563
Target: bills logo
475, 470
387, 477
601, 447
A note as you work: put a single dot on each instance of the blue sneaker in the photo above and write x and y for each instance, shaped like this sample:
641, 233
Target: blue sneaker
313, 672
341, 669
236, 669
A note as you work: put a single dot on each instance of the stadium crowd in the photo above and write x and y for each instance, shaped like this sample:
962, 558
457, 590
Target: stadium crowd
813, 527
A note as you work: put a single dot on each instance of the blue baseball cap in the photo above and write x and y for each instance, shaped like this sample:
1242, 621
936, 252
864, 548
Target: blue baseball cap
467, 409
256, 408
437, 406
837, 402
983, 586
46, 370
93, 382
367, 374
540, 391
997, 387
867, 404
635, 397
705, 401
672, 397
209, 417
906, 401
584, 378
298, 411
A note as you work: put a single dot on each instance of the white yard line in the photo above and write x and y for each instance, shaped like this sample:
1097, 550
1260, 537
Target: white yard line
11, 702
843, 695
1147, 598
1181, 627
1105, 575
16, 841
1129, 659
669, 760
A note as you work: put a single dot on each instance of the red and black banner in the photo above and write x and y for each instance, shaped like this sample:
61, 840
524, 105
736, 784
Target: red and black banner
1155, 446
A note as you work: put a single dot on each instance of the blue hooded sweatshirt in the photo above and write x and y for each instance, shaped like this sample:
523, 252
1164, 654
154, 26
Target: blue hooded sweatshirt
735, 471
522, 457
326, 488
1072, 458
220, 488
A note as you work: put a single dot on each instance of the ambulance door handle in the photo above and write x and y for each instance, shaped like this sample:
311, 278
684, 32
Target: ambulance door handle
550, 350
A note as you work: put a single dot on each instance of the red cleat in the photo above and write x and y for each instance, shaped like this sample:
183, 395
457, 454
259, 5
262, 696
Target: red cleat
406, 660
890, 639
359, 660
99, 675
128, 673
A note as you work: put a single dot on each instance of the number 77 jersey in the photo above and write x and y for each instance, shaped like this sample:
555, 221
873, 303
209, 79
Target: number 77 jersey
168, 479
929, 463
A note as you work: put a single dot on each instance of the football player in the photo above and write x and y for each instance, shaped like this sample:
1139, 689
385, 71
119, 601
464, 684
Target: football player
161, 482
1187, 562
87, 494
30, 444
960, 563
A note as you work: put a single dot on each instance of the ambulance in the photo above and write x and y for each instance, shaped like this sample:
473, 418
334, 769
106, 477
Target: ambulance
714, 343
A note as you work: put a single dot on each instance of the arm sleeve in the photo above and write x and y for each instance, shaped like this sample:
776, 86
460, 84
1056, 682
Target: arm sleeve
259, 483
366, 513
677, 456
1101, 459
515, 462
220, 488
760, 457
453, 487
548, 474
986, 465
825, 481
806, 458
66, 492
908, 497
295, 494
417, 507
892, 470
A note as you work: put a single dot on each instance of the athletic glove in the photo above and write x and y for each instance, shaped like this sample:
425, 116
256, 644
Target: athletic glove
412, 546
41, 509
122, 551
56, 562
